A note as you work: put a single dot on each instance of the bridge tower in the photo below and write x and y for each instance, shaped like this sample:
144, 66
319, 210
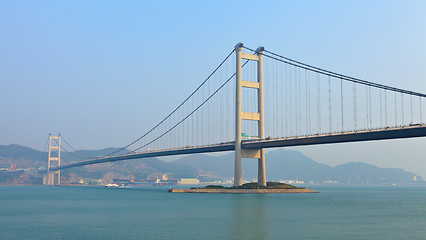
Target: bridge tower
54, 156
253, 116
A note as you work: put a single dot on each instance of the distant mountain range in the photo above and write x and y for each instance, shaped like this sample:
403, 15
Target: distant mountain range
280, 164
290, 164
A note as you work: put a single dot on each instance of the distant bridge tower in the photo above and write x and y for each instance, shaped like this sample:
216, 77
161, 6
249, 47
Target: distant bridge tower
254, 116
54, 156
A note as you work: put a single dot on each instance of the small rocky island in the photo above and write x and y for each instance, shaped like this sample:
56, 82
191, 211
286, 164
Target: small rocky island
271, 187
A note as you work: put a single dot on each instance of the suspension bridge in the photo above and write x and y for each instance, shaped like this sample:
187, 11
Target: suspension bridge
258, 99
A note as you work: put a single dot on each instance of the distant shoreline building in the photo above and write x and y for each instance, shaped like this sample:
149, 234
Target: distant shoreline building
189, 181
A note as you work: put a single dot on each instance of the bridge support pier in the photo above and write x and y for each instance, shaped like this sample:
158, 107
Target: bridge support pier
52, 178
261, 171
253, 116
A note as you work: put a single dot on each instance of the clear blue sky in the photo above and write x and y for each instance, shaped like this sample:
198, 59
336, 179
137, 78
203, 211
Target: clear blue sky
91, 69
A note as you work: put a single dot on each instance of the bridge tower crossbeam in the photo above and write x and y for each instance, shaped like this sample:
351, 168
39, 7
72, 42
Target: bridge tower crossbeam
253, 116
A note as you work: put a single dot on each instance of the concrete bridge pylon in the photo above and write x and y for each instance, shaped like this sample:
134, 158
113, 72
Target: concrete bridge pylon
252, 116
53, 177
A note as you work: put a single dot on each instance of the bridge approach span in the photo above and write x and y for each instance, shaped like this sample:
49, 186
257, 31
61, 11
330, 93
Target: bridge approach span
342, 137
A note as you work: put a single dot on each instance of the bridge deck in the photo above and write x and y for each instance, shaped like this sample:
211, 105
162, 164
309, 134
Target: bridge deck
342, 137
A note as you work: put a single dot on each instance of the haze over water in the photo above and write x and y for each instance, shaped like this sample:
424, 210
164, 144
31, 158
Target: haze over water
337, 212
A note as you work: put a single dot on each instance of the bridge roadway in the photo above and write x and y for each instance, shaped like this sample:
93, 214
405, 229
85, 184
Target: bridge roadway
339, 137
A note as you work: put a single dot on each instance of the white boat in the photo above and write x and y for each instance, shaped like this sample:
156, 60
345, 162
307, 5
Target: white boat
112, 185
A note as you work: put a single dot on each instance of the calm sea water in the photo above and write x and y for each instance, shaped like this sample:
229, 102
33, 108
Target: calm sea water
41, 212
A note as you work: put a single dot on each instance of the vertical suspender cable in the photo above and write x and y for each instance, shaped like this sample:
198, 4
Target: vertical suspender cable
421, 117
271, 101
226, 106
282, 102
172, 136
267, 118
207, 118
205, 121
386, 110
180, 139
366, 106
317, 95
402, 109
273, 98
188, 125
318, 103
411, 107
306, 100
274, 109
369, 103
341, 101
286, 98
300, 105
291, 106
295, 98
192, 124
221, 110
211, 110
183, 126
396, 113
176, 132
233, 90
198, 120
188, 131
329, 103
309, 98
277, 100
355, 110
381, 113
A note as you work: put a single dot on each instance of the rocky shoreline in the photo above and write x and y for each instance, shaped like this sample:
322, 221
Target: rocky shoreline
242, 191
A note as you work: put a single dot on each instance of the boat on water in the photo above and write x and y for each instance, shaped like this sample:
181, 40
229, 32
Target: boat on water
112, 185
146, 182
158, 183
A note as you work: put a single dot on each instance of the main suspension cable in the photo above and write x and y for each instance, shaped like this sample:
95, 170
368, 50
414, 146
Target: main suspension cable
178, 107
337, 75
75, 150
190, 114
57, 142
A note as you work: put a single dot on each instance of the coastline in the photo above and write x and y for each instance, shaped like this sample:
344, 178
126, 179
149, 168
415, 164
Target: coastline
243, 191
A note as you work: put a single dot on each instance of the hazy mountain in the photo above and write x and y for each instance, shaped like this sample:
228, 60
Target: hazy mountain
290, 164
26, 157
210, 165
280, 164
30, 158
16, 151
357, 172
